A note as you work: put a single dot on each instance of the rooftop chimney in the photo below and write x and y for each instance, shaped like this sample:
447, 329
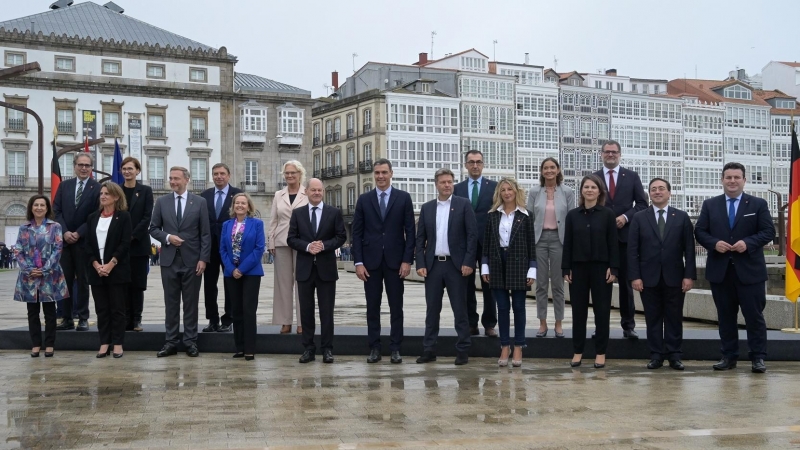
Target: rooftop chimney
527, 58
335, 80
61, 4
114, 7
611, 72
423, 59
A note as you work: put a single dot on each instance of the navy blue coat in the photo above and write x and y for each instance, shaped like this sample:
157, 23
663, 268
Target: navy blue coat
651, 257
71, 217
375, 239
485, 196
629, 198
753, 225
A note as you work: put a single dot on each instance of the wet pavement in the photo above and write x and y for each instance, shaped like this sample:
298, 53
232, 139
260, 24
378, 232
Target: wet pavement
74, 400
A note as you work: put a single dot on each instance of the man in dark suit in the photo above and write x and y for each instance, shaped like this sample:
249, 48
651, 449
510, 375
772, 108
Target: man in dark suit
180, 223
661, 238
625, 197
447, 238
383, 248
75, 199
218, 200
480, 192
734, 228
315, 232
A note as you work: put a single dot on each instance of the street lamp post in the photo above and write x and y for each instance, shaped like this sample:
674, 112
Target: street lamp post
781, 223
17, 71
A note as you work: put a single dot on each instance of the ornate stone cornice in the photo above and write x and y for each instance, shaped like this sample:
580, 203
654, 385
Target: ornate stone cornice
87, 43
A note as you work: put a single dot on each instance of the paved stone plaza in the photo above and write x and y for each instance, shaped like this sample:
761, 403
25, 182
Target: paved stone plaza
77, 401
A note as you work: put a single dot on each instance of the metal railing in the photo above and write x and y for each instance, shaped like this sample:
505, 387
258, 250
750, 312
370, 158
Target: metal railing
336, 137
350, 133
317, 173
365, 166
199, 185
16, 124
258, 186
16, 180
156, 183
156, 132
66, 127
198, 133
316, 142
351, 169
328, 138
367, 128
281, 184
111, 129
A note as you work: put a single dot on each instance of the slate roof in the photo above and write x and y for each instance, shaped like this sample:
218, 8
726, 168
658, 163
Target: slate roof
94, 21
256, 83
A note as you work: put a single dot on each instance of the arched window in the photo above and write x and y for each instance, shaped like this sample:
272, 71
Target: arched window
16, 210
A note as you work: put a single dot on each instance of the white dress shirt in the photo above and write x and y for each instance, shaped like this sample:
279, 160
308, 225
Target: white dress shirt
175, 196
102, 233
78, 182
319, 216
506, 223
442, 222
666, 211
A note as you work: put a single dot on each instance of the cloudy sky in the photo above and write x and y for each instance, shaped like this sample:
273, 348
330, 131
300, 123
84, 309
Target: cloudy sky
300, 42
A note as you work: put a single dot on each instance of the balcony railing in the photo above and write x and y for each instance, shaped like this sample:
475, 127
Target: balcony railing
198, 133
351, 169
198, 185
350, 133
365, 166
156, 132
111, 130
328, 138
281, 184
586, 109
66, 127
16, 124
316, 142
351, 209
257, 186
336, 137
317, 173
156, 183
326, 173
339, 206
16, 180
335, 171
367, 128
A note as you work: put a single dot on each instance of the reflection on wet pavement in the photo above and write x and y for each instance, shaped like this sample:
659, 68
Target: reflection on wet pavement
77, 401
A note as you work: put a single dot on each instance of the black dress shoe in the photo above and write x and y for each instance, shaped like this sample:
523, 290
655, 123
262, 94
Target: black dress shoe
211, 328
473, 331
66, 325
396, 358
426, 357
676, 364
630, 334
374, 356
138, 326
461, 358
167, 350
725, 364
193, 351
238, 355
655, 364
224, 329
575, 363
83, 325
327, 356
249, 357
759, 366
308, 356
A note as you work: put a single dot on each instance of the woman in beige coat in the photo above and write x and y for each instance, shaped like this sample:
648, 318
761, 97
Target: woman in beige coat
291, 197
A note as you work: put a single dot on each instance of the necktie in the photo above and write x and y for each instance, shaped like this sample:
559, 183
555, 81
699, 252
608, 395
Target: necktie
314, 219
218, 204
661, 222
731, 212
474, 194
79, 193
180, 211
383, 205
612, 185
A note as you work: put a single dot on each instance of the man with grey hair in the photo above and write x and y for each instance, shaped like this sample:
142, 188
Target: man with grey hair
75, 199
447, 238
218, 199
180, 223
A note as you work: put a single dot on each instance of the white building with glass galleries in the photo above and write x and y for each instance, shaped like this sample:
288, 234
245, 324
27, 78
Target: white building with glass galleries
422, 136
537, 122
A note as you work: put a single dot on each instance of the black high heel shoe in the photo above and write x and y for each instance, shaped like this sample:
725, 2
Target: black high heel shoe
34, 354
49, 354
249, 357
238, 355
117, 355
103, 355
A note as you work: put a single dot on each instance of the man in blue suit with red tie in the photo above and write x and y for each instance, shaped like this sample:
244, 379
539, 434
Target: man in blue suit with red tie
734, 228
383, 250
480, 193
625, 197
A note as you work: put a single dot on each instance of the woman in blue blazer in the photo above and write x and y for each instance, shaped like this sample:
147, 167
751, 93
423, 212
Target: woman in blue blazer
241, 247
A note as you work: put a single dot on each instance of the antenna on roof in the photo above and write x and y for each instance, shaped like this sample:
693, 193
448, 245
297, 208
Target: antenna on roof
433, 33
494, 50
555, 63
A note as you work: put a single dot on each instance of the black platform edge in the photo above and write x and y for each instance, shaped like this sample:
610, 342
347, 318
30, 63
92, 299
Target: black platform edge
697, 344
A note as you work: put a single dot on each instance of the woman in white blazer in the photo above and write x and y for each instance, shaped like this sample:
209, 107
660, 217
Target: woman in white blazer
291, 197
550, 202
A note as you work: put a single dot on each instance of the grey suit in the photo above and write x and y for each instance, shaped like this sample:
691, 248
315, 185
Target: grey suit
178, 264
445, 272
549, 247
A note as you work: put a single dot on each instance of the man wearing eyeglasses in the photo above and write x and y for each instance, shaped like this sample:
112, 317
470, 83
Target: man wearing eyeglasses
625, 197
479, 191
75, 199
